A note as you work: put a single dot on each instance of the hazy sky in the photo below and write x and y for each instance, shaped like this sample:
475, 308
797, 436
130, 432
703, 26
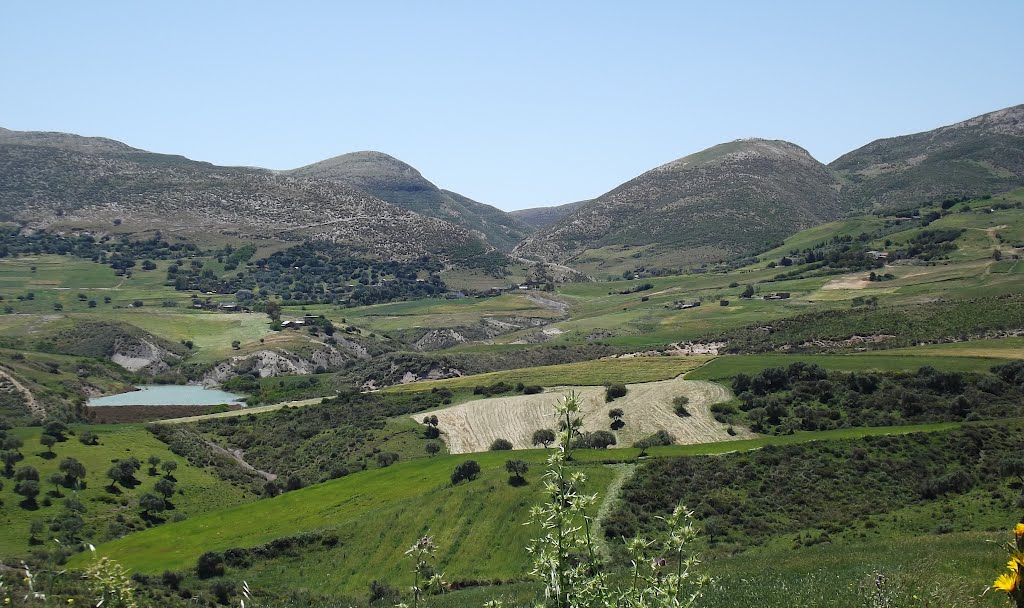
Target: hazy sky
516, 104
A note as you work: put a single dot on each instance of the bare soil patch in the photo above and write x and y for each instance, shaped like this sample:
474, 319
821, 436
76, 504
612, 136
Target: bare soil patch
473, 426
852, 282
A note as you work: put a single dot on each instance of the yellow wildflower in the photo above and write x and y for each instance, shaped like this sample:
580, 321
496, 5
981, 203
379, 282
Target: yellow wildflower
1016, 561
1006, 582
1018, 531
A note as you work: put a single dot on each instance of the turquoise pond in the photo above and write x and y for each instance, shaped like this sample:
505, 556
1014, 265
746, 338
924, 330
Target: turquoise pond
168, 394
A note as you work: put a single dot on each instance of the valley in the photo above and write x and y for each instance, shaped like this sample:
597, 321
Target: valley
825, 363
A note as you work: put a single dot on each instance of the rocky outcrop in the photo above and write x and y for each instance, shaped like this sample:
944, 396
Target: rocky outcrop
271, 363
142, 355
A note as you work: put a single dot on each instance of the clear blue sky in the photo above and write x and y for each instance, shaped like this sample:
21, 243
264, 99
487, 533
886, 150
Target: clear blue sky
516, 104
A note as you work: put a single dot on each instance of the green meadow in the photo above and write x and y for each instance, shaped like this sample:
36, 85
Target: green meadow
198, 490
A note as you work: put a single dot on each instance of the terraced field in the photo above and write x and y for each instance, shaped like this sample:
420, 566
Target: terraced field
473, 426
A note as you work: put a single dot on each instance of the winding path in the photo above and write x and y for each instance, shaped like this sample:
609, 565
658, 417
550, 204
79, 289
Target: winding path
34, 407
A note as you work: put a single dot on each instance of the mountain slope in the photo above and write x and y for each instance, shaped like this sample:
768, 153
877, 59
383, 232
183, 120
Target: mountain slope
55, 179
730, 199
539, 217
978, 156
392, 180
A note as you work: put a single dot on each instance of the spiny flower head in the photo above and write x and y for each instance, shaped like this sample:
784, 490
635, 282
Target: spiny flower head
1006, 582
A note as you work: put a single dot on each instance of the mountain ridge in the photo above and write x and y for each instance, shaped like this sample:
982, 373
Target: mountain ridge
977, 156
399, 183
773, 188
46, 180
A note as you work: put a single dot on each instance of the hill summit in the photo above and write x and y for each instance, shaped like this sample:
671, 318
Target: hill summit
398, 183
729, 199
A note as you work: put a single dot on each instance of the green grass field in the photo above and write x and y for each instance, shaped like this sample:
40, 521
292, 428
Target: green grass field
726, 367
478, 524
586, 373
198, 490
379, 510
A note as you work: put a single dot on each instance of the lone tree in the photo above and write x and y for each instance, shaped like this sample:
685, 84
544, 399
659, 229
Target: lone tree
467, 471
49, 441
153, 461
74, 472
679, 406
517, 468
614, 391
57, 429
56, 480
151, 503
164, 487
616, 415
28, 489
748, 292
168, 468
10, 457
543, 437
500, 444
273, 310
432, 448
26, 473
123, 472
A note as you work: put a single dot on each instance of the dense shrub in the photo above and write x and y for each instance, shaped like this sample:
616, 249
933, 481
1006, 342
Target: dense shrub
466, 471
614, 391
500, 444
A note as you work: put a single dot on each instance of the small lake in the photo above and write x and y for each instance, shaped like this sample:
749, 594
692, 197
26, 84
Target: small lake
168, 394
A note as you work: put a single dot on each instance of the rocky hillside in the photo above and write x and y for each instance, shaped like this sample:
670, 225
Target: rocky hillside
394, 181
730, 199
539, 217
975, 157
56, 179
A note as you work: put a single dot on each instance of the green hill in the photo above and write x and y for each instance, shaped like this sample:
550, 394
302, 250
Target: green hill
982, 155
729, 200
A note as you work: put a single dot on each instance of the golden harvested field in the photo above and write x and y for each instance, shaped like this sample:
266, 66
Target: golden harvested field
472, 426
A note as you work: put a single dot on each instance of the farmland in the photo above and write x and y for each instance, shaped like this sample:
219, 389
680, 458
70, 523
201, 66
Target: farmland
473, 426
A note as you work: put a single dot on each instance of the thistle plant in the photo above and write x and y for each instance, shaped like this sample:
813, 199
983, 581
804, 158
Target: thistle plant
110, 582
421, 552
565, 557
1011, 582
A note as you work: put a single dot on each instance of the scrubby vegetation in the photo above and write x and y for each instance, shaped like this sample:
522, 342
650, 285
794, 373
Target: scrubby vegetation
827, 489
806, 397
343, 434
897, 325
